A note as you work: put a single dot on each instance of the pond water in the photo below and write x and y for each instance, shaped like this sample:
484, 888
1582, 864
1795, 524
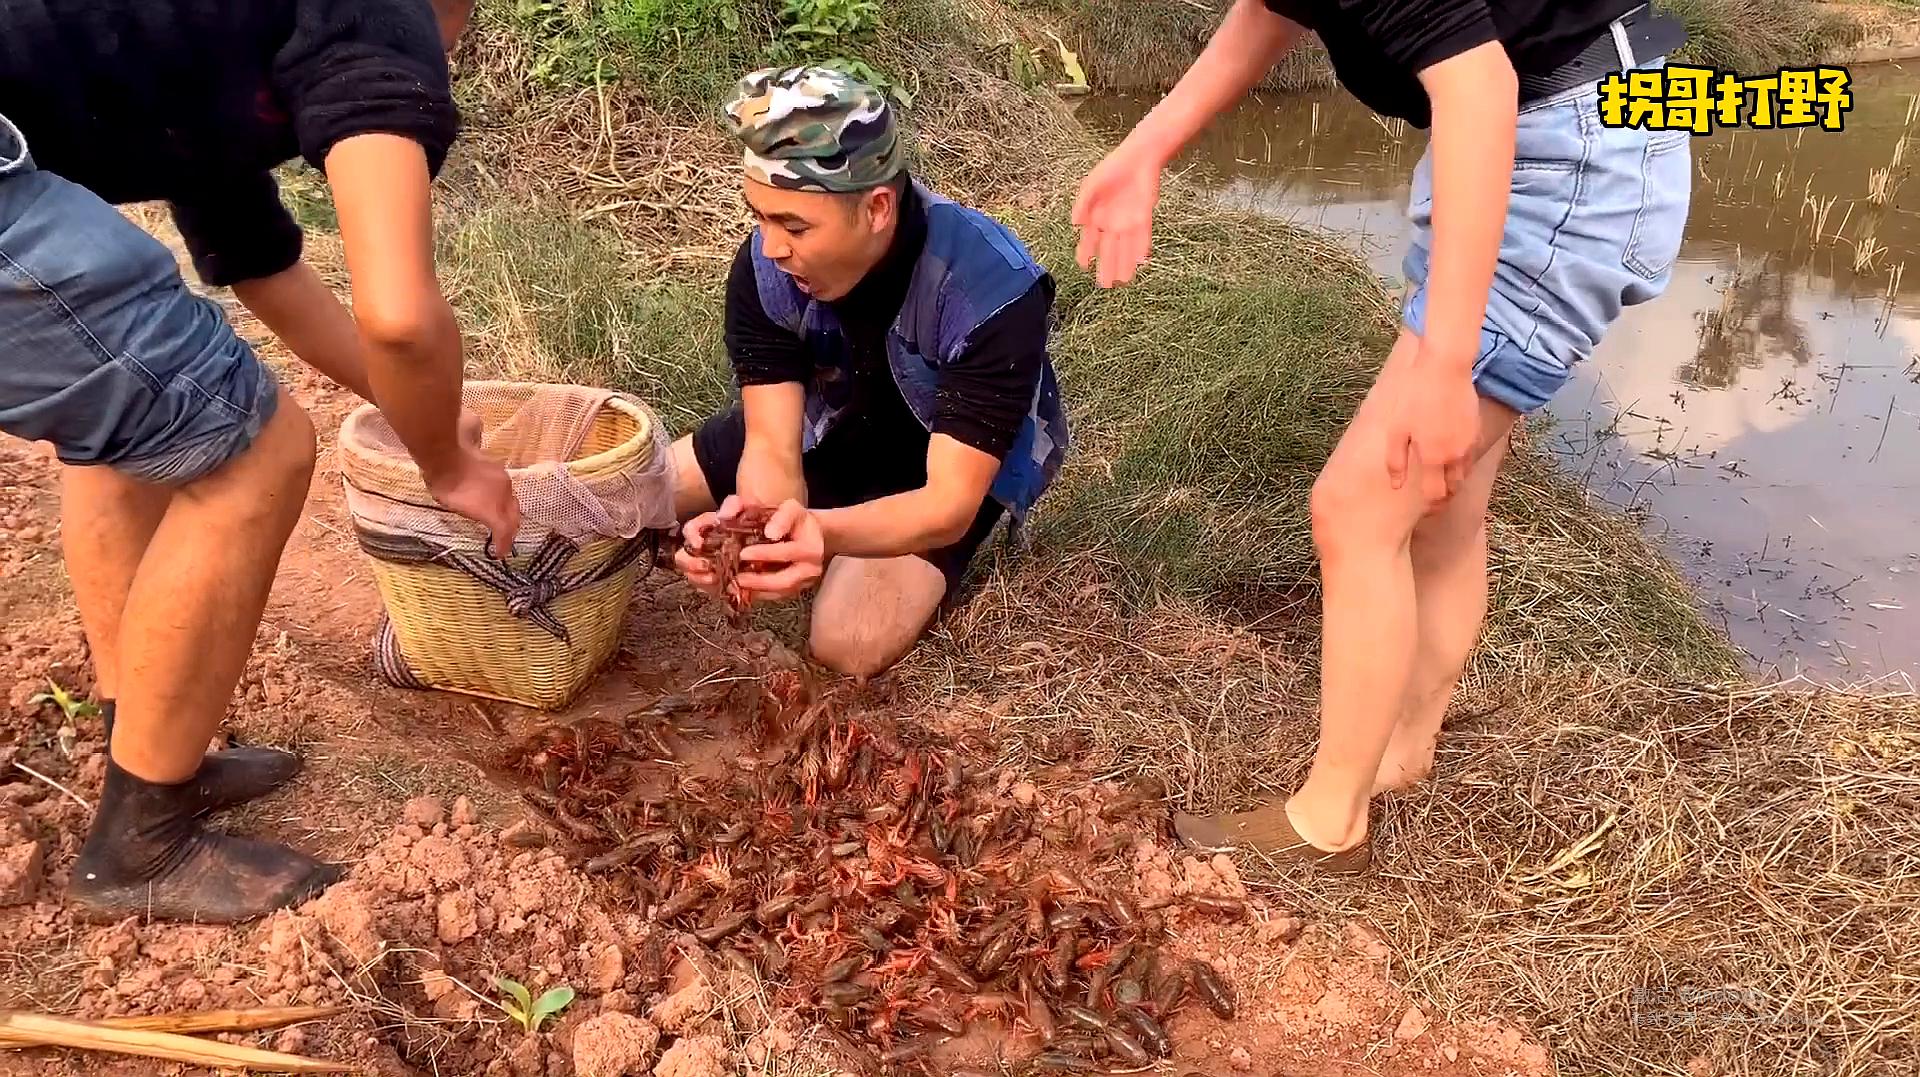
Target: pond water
1763, 416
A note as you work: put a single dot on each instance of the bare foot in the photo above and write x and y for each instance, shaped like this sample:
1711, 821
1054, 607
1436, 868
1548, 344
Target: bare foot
1405, 764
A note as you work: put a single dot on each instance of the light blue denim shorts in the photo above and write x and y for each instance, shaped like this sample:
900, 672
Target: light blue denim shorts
104, 350
1594, 222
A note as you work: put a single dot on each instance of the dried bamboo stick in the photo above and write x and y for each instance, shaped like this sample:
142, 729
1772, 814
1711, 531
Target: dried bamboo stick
255, 1020
40, 1030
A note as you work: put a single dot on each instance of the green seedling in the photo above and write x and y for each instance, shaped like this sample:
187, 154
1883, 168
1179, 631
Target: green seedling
70, 705
525, 1009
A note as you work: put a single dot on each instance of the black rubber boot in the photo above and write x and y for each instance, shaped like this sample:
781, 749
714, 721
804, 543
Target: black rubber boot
232, 775
149, 856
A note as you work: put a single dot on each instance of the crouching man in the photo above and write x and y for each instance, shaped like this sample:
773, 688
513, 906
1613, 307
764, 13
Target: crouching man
896, 396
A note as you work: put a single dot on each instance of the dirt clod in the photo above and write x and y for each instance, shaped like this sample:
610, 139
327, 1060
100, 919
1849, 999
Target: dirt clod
613, 1045
424, 812
346, 912
1279, 929
1365, 941
442, 862
21, 867
697, 1056
684, 1009
609, 969
459, 917
1412, 1024
527, 1059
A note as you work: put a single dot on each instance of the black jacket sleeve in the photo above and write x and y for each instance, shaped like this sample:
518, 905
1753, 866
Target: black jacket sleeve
986, 391
763, 352
355, 67
237, 231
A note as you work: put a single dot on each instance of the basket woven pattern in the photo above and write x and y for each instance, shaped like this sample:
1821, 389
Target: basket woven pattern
456, 634
505, 630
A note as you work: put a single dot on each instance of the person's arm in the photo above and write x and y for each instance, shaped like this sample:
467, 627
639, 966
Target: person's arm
772, 366
1454, 49
241, 236
799, 543
1249, 41
985, 393
406, 328
408, 336
303, 313
935, 515
1475, 100
1114, 207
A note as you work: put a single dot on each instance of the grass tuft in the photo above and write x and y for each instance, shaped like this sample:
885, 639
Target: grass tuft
1756, 36
548, 299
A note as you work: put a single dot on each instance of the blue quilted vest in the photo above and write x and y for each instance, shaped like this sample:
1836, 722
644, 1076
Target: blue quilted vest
971, 267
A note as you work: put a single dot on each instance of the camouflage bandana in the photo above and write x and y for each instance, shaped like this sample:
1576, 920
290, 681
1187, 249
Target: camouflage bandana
814, 128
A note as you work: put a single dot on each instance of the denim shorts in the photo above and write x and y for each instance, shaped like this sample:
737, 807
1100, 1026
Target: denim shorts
104, 350
1594, 220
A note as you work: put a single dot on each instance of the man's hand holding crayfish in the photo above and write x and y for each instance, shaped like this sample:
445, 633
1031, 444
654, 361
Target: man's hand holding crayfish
747, 553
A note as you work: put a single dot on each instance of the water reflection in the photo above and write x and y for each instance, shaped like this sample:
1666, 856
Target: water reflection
1763, 415
1753, 322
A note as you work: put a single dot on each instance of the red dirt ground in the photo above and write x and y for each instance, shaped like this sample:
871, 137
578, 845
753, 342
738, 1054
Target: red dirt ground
451, 886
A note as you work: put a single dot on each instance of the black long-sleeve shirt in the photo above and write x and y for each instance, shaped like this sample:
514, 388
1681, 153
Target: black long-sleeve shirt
196, 101
1379, 47
984, 394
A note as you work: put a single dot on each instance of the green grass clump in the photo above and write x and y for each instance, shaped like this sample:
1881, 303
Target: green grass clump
684, 54
685, 51
547, 298
1753, 37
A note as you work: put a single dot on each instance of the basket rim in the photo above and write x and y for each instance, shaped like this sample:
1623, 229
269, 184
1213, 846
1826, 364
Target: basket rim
585, 467
606, 458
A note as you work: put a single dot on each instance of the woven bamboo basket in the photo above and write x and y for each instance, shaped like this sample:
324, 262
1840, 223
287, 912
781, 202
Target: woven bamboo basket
453, 632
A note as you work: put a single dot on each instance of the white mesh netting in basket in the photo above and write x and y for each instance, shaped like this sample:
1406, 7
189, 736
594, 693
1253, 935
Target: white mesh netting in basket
585, 464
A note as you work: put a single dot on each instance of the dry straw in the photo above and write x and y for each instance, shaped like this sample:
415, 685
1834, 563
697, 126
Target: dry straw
1599, 855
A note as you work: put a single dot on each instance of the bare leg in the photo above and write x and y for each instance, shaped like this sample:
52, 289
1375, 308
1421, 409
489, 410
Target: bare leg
869, 612
188, 624
1363, 529
106, 521
196, 601
1449, 554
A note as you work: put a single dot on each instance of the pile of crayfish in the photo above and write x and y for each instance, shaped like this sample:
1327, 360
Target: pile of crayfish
879, 878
